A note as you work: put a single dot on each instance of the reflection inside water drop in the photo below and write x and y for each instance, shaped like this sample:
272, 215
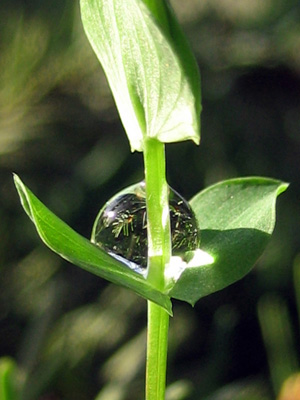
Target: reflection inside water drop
121, 226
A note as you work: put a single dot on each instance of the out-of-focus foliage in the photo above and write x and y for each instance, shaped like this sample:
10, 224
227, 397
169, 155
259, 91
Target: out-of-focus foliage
72, 335
8, 379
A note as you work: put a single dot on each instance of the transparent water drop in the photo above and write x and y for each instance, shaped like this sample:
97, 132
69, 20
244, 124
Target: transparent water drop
121, 227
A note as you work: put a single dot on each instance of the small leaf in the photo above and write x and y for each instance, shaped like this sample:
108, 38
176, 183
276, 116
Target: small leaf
63, 240
149, 66
8, 379
236, 219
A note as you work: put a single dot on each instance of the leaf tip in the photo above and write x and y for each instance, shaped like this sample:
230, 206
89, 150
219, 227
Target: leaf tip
282, 188
22, 191
196, 139
15, 178
18, 184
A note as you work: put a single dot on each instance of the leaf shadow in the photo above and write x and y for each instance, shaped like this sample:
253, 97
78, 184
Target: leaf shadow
235, 251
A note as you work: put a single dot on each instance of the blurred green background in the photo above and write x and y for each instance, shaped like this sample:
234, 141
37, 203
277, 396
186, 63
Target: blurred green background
74, 336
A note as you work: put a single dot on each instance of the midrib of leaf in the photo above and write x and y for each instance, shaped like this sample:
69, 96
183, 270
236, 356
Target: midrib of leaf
172, 109
143, 95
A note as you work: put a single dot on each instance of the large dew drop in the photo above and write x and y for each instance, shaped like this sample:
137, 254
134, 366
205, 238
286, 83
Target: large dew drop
121, 227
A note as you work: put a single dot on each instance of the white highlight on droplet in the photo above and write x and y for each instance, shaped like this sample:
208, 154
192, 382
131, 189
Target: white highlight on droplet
165, 216
176, 266
111, 214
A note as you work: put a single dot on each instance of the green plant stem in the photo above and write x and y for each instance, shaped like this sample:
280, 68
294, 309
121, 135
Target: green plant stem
159, 253
157, 349
158, 216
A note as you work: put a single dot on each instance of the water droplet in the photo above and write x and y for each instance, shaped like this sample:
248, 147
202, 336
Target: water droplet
121, 226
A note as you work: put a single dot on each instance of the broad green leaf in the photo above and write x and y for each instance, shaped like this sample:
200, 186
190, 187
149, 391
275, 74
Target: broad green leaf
8, 384
149, 66
236, 218
63, 240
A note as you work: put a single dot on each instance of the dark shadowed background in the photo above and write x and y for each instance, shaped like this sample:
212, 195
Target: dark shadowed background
73, 335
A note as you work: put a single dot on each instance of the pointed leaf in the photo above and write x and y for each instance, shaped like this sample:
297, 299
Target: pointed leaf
236, 218
149, 66
63, 240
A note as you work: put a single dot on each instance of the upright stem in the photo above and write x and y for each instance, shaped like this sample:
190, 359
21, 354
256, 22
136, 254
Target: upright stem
157, 349
159, 253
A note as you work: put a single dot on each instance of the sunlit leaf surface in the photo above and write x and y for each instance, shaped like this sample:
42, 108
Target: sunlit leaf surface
236, 218
64, 241
149, 66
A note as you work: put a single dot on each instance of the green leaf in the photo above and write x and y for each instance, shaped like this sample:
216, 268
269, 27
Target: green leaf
236, 218
63, 240
149, 66
8, 384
